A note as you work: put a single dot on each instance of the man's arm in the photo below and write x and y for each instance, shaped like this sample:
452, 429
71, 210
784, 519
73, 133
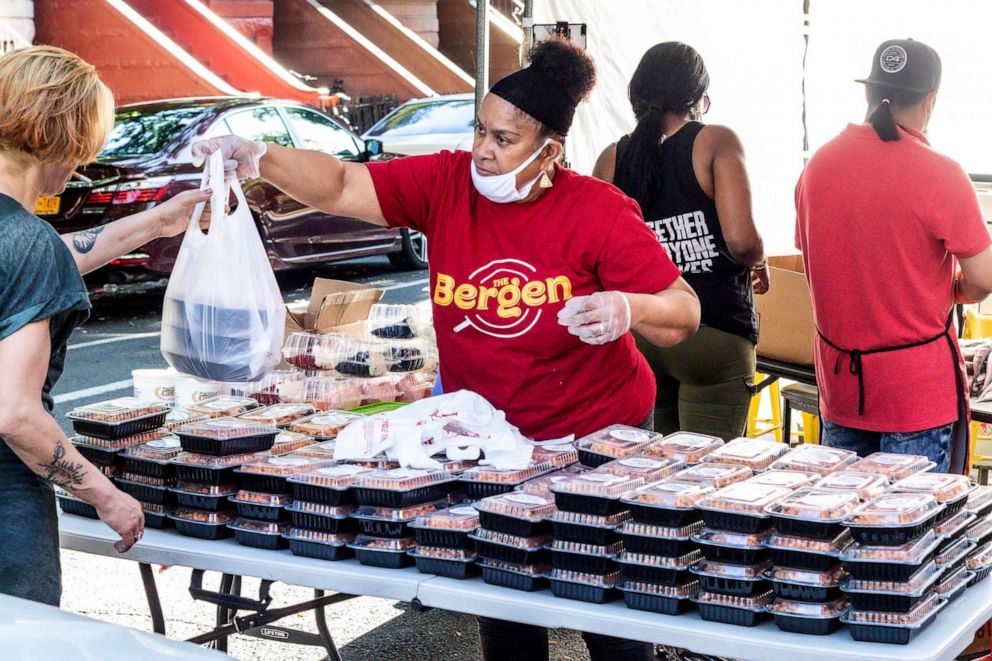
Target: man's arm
976, 279
37, 440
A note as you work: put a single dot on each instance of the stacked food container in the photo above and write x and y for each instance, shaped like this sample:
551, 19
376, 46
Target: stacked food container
511, 537
444, 547
149, 476
484, 481
323, 501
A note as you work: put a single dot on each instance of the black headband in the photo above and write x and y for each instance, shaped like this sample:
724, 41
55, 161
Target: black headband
539, 97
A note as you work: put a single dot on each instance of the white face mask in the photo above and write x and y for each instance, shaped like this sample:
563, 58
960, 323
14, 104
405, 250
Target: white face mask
502, 188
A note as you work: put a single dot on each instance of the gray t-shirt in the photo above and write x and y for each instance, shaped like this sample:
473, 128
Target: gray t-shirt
38, 280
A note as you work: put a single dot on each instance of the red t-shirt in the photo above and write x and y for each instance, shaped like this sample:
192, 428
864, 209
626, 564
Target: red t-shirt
878, 224
501, 272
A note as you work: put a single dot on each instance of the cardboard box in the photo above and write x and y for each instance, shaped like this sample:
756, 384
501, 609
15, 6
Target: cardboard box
785, 314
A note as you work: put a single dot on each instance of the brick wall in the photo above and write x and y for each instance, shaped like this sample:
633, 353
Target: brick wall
252, 18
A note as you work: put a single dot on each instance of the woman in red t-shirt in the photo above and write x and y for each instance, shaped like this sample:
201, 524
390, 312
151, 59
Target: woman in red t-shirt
537, 273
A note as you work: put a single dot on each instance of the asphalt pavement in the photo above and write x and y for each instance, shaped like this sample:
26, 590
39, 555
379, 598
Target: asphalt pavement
121, 335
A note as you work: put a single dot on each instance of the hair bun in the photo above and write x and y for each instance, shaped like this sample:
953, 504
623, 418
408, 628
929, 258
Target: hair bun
566, 64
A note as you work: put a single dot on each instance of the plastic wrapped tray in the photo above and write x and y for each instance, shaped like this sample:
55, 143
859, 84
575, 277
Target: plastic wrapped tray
813, 513
818, 459
415, 386
807, 554
897, 596
414, 355
892, 466
402, 487
353, 356
670, 503
979, 562
316, 517
153, 458
592, 588
291, 442
383, 552
270, 474
519, 514
953, 583
541, 486
585, 558
586, 528
223, 406
979, 501
664, 599
485, 481
149, 493
890, 563
392, 522
714, 475
202, 524
324, 426
814, 619
895, 629
684, 446
261, 506
72, 505
650, 539
755, 453
658, 570
333, 485
118, 418
893, 519
809, 586
321, 450
594, 493
210, 469
955, 526
527, 578
787, 479
647, 468
456, 564
226, 436
738, 580
178, 417
741, 611
210, 497
741, 507
447, 528
397, 322
733, 547
508, 548
953, 554
324, 393
278, 415
320, 545
266, 535
559, 455
106, 452
613, 442
300, 350
980, 531
867, 486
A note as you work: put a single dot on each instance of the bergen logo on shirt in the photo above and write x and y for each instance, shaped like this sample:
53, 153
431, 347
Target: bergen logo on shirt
688, 241
503, 298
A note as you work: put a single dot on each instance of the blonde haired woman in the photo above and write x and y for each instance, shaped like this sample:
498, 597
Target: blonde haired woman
55, 114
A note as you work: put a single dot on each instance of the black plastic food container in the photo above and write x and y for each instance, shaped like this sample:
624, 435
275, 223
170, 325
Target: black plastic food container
808, 593
733, 586
513, 526
812, 626
312, 549
225, 447
801, 560
593, 594
333, 525
596, 535
116, 430
448, 568
202, 530
511, 579
656, 603
146, 492
729, 615
269, 541
260, 511
380, 558
587, 564
77, 507
584, 504
388, 498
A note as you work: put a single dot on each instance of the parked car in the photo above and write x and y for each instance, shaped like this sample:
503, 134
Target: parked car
147, 159
426, 126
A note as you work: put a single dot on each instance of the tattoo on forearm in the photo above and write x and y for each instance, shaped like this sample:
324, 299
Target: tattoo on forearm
84, 241
61, 472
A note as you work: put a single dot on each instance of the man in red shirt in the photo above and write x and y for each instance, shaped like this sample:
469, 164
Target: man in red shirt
884, 222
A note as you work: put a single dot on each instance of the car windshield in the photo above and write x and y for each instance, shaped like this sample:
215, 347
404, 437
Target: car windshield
428, 117
139, 131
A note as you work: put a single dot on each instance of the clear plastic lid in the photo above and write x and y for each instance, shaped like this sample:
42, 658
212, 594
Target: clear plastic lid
943, 486
223, 406
684, 446
265, 391
324, 425
176, 418
456, 466
415, 386
338, 478
743, 498
459, 517
412, 355
865, 485
289, 441
397, 514
895, 510
331, 511
146, 479
832, 547
980, 558
979, 529
921, 581
818, 459
610, 521
593, 580
755, 453
121, 409
600, 485
558, 455
682, 533
388, 545
526, 506
910, 553
324, 393
533, 570
954, 552
535, 543
979, 499
260, 498
200, 489
210, 461
954, 524
404, 479
950, 582
671, 494
300, 350
443, 553
379, 390
303, 535
591, 550
715, 475
542, 485
681, 591
283, 466
322, 450
260, 527
915, 618
817, 505
725, 570
202, 516
127, 442
651, 470
489, 474
788, 479
616, 441
350, 355
676, 563
729, 539
161, 449
817, 611
221, 429
753, 603
279, 414
821, 579
382, 315
155, 508
892, 466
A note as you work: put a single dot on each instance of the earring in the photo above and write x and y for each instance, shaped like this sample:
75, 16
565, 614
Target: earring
545, 181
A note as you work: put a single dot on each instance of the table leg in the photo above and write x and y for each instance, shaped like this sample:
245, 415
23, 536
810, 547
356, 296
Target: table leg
224, 616
151, 594
324, 631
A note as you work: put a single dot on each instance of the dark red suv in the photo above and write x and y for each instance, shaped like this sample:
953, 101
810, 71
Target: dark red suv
147, 159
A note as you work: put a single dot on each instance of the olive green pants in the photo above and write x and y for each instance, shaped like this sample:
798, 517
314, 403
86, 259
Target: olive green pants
704, 384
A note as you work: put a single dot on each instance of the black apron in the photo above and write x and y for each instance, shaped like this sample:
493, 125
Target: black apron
960, 442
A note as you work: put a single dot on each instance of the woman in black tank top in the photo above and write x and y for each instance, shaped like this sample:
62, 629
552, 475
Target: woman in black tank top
691, 184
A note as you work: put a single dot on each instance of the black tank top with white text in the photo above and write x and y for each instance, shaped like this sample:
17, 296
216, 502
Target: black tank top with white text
686, 223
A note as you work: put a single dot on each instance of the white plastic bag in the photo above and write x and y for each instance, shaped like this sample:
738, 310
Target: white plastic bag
224, 317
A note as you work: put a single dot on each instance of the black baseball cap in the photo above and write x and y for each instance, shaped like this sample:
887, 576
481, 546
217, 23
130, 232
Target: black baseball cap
905, 64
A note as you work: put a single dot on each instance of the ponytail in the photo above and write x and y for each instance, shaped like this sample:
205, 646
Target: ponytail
884, 122
883, 98
638, 169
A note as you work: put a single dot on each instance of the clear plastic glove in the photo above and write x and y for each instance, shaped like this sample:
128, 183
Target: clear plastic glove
241, 155
597, 319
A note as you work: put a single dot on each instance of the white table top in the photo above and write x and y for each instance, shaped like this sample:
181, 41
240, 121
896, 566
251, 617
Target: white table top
950, 634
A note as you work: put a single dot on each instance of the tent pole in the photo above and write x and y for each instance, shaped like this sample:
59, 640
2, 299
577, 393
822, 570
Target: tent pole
528, 23
481, 52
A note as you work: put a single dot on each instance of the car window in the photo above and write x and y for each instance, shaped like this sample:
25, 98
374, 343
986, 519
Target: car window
263, 124
143, 131
319, 133
428, 117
